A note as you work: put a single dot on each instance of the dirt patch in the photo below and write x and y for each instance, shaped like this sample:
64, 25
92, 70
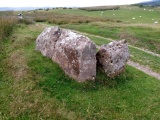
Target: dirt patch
143, 68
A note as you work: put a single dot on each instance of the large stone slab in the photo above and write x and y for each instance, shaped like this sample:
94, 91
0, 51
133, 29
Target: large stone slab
112, 58
75, 53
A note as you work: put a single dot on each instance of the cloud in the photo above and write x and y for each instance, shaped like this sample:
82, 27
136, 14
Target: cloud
63, 3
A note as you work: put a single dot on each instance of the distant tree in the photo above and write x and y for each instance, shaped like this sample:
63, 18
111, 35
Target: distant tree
140, 6
47, 9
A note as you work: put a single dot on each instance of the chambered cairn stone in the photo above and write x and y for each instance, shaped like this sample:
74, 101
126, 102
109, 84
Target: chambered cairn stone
112, 58
74, 53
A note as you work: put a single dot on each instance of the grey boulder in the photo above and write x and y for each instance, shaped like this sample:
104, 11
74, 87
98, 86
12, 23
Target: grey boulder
112, 58
75, 53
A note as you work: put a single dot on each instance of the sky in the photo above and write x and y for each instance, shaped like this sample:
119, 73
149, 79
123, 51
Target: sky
64, 3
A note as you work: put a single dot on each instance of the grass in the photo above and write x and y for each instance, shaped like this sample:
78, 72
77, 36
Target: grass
6, 28
147, 37
56, 18
109, 32
140, 36
145, 59
34, 87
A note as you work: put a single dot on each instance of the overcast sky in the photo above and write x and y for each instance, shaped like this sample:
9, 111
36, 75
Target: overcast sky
64, 3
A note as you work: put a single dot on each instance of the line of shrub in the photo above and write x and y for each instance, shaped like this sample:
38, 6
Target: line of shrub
100, 8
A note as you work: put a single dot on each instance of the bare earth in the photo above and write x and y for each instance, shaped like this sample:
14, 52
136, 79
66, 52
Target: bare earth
143, 68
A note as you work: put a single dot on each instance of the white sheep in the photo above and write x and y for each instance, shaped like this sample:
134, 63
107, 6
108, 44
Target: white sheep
156, 22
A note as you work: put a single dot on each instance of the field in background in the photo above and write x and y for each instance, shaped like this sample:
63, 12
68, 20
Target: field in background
136, 25
29, 89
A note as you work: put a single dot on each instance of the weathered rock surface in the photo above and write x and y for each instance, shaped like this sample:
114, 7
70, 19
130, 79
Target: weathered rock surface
45, 42
112, 58
75, 53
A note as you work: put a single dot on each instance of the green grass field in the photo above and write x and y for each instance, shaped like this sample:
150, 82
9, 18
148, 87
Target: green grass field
34, 87
124, 14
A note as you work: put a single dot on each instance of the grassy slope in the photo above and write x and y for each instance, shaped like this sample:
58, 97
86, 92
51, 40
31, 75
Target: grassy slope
124, 14
30, 89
